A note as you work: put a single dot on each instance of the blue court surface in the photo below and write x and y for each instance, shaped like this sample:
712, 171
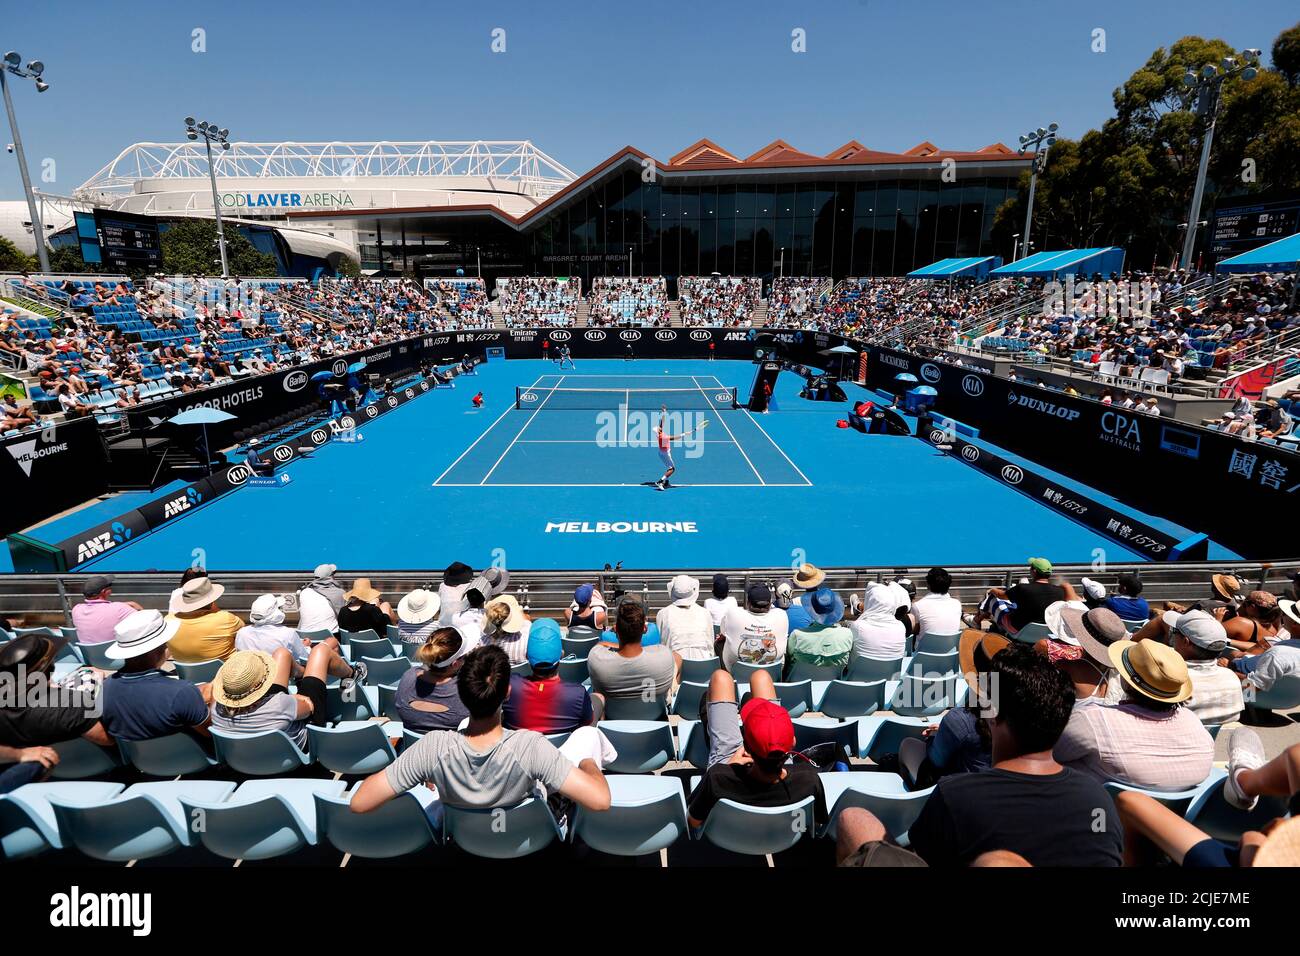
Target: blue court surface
567, 482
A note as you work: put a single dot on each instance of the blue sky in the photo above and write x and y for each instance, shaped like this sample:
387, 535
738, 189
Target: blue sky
583, 79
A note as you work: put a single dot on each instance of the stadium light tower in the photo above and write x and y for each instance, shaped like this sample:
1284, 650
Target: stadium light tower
1203, 91
1039, 141
13, 64
211, 133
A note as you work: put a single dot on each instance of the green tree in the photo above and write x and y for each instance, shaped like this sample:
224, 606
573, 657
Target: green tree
13, 260
190, 248
1286, 55
67, 259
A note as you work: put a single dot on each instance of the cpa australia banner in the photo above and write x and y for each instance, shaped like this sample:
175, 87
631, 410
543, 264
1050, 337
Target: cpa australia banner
1118, 526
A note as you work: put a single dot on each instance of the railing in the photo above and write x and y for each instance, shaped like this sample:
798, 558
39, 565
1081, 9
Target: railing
548, 593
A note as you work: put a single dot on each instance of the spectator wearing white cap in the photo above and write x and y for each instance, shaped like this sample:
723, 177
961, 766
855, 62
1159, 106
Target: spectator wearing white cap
265, 630
685, 626
141, 701
1199, 638
417, 616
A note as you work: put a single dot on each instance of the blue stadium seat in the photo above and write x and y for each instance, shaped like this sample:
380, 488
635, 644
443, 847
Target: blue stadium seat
27, 823
800, 670
843, 699
503, 833
574, 670
174, 755
938, 643
700, 671
742, 671
634, 708
646, 814
267, 754
398, 828
79, 759
757, 831
1176, 800
385, 670
686, 701
873, 669
883, 794
353, 747
200, 672
262, 819
146, 820
643, 745
810, 731
924, 696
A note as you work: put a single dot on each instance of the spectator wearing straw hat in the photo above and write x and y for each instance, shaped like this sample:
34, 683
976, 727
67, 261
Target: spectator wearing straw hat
206, 633
417, 616
807, 578
365, 610
141, 701
266, 631
96, 616
541, 701
824, 641
250, 693
684, 625
507, 627
427, 698
1150, 739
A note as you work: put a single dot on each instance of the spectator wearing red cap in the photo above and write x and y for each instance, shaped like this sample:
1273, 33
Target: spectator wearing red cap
748, 750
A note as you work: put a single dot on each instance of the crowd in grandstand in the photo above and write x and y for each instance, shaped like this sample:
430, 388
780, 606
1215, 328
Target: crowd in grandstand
1048, 689
718, 300
794, 297
533, 300
628, 300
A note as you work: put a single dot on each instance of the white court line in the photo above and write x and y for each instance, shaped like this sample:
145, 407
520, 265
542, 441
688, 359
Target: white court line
597, 441
767, 436
524, 429
728, 428
509, 409
624, 484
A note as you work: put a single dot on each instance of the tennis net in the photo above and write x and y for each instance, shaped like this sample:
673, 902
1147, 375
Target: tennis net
646, 399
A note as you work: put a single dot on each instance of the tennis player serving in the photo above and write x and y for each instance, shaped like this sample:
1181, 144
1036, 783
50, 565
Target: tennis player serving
665, 444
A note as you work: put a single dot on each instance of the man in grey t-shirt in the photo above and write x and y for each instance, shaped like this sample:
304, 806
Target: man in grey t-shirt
485, 765
632, 669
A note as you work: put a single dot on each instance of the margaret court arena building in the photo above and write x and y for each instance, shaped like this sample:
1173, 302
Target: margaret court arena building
507, 208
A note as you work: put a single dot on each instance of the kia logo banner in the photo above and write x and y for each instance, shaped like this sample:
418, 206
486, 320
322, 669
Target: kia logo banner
972, 385
630, 335
594, 335
340, 367
560, 335
666, 335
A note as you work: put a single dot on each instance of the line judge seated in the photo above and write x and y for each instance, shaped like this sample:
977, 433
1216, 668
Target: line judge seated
262, 467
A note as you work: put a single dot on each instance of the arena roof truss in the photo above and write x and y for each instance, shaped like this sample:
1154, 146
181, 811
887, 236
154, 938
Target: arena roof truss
516, 164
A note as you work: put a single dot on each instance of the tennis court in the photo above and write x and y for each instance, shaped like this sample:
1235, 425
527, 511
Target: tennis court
561, 484
598, 431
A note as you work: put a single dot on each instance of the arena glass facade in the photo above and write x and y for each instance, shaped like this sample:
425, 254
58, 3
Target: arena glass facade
856, 212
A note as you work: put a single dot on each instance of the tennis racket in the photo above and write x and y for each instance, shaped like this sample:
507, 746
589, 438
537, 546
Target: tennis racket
698, 428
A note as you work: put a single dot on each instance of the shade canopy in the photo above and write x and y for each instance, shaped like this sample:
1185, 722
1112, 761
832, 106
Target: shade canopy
963, 266
201, 416
1280, 256
1107, 260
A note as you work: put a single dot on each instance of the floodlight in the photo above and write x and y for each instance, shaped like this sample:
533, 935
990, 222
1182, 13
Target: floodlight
36, 67
189, 121
1209, 71
13, 59
1189, 78
225, 133
1051, 127
1249, 73
41, 85
191, 135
